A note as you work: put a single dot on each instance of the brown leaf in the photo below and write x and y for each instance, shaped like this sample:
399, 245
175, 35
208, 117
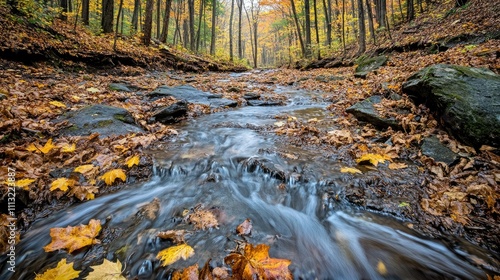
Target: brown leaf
244, 228
150, 210
203, 219
177, 236
74, 238
255, 263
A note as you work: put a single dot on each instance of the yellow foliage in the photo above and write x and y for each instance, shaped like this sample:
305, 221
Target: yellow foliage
381, 268
57, 104
106, 271
351, 170
24, 183
45, 149
110, 176
374, 159
172, 254
84, 169
62, 184
133, 161
68, 148
74, 238
62, 271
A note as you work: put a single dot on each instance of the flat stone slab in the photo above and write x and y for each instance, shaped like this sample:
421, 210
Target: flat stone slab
432, 147
366, 112
367, 65
102, 119
192, 95
171, 114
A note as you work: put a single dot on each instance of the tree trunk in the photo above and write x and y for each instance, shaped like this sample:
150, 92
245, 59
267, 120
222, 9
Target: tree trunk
410, 10
85, 12
64, 9
328, 21
460, 3
148, 23
316, 27
370, 21
198, 32
166, 20
107, 16
158, 18
214, 21
240, 47
299, 33
307, 11
231, 55
120, 7
191, 26
135, 15
343, 26
362, 31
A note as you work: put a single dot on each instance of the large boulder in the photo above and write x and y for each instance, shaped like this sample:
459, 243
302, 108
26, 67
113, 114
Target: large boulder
366, 65
171, 114
465, 100
192, 95
102, 119
366, 112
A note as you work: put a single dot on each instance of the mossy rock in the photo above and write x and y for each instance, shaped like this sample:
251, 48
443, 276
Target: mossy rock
366, 65
102, 119
465, 100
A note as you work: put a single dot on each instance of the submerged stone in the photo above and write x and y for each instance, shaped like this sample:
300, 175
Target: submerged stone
192, 95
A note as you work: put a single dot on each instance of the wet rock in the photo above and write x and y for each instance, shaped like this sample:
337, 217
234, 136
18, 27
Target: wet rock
275, 170
192, 95
367, 65
122, 87
3, 96
326, 79
251, 96
432, 147
171, 114
264, 103
364, 111
465, 100
102, 119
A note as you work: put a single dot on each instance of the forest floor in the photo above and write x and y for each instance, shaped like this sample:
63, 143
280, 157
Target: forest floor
35, 92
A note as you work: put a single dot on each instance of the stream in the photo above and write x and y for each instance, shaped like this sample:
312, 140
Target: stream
226, 163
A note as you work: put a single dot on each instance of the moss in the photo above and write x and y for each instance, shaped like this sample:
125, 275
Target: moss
104, 123
73, 128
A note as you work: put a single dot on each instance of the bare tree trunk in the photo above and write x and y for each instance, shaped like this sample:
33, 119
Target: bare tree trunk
191, 26
370, 21
166, 20
135, 15
410, 10
148, 22
299, 33
240, 47
231, 55
64, 9
85, 12
107, 16
158, 18
120, 7
198, 32
362, 31
307, 11
214, 21
343, 26
316, 27
328, 21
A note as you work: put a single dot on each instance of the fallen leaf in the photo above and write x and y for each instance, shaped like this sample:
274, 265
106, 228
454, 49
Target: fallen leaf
57, 104
381, 268
86, 169
62, 184
151, 209
93, 90
133, 161
279, 124
244, 228
188, 273
397, 165
108, 270
177, 236
84, 192
203, 219
24, 183
62, 271
172, 254
351, 170
374, 159
68, 148
47, 147
255, 263
74, 238
404, 204
110, 176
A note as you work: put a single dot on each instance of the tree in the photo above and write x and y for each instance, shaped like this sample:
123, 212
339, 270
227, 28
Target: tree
120, 8
107, 16
191, 26
240, 14
370, 21
166, 19
135, 15
231, 55
315, 8
460, 3
380, 12
85, 12
328, 21
307, 11
362, 29
299, 33
148, 22
410, 10
64, 9
214, 21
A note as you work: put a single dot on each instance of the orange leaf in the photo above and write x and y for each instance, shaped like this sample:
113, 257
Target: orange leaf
74, 238
255, 263
47, 147
110, 176
62, 271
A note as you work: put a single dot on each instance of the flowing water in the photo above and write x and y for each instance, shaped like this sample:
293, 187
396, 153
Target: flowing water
224, 163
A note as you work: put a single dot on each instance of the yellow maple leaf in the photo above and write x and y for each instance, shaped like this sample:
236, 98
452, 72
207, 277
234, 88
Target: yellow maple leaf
31, 148
68, 148
108, 270
255, 263
62, 184
110, 176
57, 104
172, 254
133, 161
62, 271
84, 169
74, 238
47, 147
351, 170
374, 159
24, 183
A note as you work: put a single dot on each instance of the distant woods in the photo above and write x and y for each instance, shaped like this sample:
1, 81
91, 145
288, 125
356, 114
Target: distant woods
253, 32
